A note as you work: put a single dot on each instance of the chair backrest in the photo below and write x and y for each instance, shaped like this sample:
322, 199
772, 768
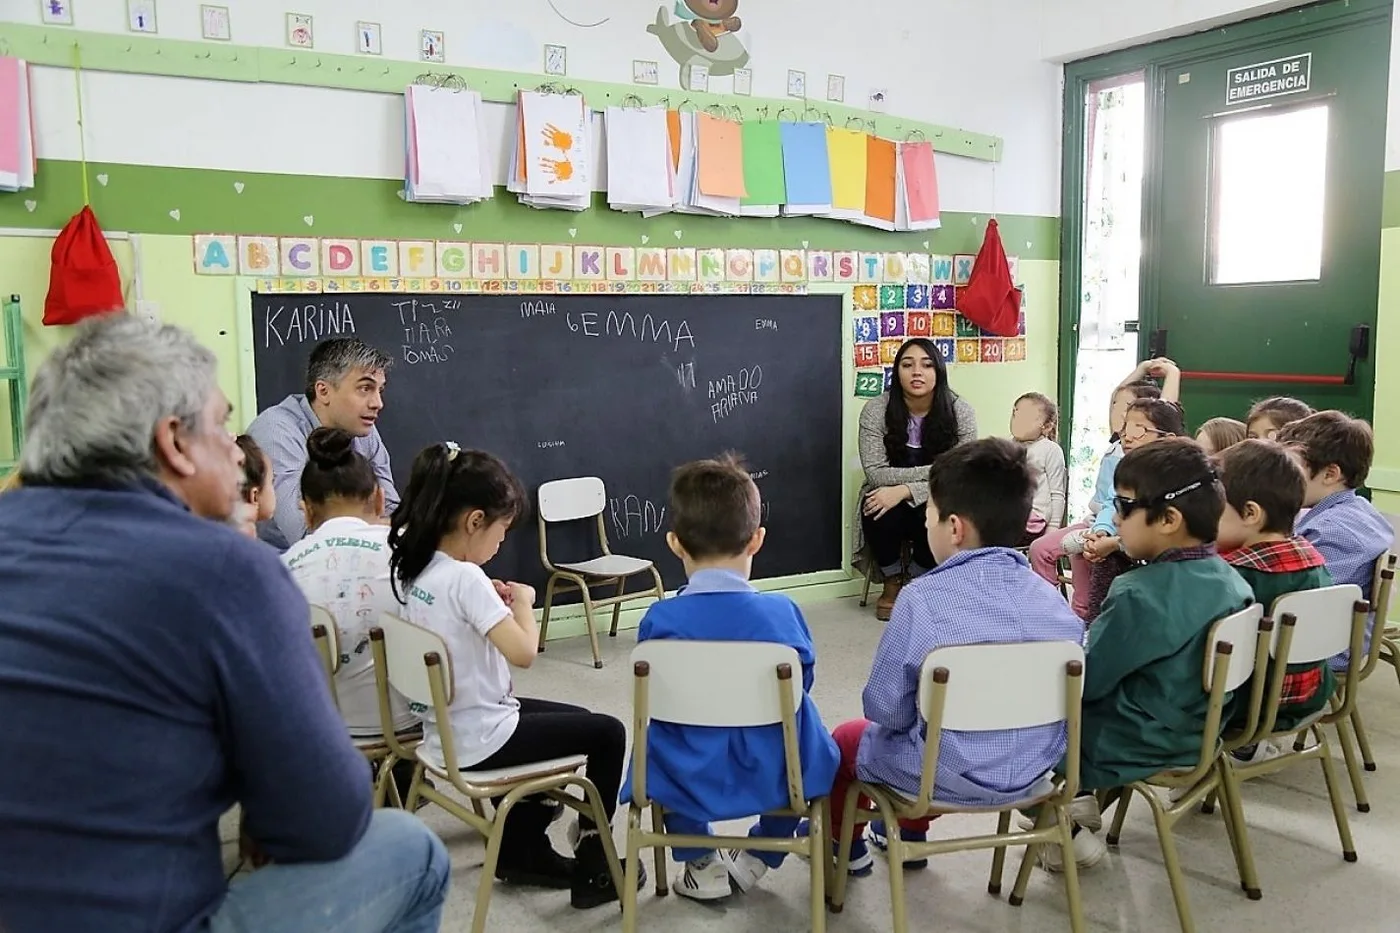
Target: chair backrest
710, 683
1322, 622
327, 638
1241, 632
977, 676
565, 500
1383, 563
406, 647
685, 679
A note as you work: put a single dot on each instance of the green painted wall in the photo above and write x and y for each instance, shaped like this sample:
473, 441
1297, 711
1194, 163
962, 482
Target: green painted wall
141, 199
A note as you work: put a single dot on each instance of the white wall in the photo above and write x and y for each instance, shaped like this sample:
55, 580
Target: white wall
976, 65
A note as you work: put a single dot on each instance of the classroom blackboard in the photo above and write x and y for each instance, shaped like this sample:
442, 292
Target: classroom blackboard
624, 387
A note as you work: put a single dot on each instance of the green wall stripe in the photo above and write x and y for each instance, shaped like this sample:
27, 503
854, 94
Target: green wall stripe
1390, 204
141, 199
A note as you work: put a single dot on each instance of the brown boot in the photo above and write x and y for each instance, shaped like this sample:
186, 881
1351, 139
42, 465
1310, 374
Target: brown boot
885, 604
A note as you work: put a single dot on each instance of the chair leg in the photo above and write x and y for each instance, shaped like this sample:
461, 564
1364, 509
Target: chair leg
548, 604
1358, 784
592, 627
617, 608
898, 908
488, 867
999, 855
1173, 865
1028, 860
1339, 812
843, 853
816, 828
630, 869
1233, 811
658, 825
414, 787
1115, 831
600, 817
1368, 760
1071, 872
870, 573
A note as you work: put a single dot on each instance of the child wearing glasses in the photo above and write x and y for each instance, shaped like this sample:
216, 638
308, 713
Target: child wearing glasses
1144, 707
1148, 420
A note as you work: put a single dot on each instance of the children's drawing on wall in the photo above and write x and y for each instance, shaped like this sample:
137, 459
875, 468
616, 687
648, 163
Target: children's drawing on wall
705, 32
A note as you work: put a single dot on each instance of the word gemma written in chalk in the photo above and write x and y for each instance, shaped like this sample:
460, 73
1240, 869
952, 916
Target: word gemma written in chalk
284, 324
734, 391
427, 337
623, 324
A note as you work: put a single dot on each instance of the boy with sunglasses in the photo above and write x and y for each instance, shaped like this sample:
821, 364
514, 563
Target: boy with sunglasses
1144, 708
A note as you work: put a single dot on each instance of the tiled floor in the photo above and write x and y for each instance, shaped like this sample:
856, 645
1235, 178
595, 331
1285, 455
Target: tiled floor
1307, 886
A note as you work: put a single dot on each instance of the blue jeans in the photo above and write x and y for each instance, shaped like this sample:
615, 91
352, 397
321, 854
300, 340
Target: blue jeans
393, 881
769, 827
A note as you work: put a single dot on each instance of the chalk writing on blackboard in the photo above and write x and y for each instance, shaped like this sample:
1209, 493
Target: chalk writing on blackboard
615, 324
302, 323
633, 516
685, 375
426, 334
765, 324
536, 308
733, 391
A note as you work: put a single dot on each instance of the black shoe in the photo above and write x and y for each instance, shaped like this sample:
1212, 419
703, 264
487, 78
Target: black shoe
537, 866
592, 882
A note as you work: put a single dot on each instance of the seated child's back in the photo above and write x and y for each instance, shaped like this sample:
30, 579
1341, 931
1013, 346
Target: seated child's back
1144, 705
721, 773
1263, 493
981, 592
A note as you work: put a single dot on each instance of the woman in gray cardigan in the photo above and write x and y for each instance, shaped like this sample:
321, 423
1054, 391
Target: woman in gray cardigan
900, 433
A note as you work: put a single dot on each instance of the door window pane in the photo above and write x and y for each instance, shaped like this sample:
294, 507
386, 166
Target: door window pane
1270, 187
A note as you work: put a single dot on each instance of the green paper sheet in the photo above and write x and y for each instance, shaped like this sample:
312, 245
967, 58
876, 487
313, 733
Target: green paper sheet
763, 163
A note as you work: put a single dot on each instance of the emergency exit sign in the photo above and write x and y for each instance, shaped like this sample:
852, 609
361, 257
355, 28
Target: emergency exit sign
1264, 80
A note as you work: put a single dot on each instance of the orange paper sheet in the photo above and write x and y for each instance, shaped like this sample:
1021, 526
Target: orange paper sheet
880, 178
721, 145
848, 155
673, 128
520, 138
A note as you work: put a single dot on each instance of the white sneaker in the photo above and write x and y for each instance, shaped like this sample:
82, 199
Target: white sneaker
1264, 751
705, 879
1089, 850
1083, 811
745, 869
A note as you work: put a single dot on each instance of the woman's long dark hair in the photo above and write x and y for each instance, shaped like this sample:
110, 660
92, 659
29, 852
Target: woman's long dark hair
940, 425
445, 484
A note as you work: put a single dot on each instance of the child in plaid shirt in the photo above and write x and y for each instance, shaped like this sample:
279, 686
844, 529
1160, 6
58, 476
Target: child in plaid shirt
1263, 493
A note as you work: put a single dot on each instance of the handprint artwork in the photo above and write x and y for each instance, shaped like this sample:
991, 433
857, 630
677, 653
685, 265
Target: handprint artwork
554, 144
560, 169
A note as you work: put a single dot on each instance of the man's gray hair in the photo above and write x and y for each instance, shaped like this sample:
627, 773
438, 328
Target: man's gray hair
95, 403
332, 360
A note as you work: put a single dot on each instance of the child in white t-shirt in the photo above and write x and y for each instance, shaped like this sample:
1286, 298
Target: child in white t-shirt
342, 565
1035, 422
454, 515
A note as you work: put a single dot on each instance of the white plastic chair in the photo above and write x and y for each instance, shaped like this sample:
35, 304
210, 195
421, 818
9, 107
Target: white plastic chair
419, 666
675, 683
567, 500
963, 688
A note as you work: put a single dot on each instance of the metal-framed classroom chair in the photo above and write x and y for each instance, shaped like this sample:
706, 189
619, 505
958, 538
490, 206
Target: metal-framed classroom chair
1380, 632
419, 666
1308, 627
674, 682
1232, 657
567, 500
959, 690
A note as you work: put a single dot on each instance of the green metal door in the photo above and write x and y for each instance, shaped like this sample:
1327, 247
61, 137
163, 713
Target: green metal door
1263, 212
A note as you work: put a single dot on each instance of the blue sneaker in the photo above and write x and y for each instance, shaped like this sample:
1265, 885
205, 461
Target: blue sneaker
881, 841
862, 862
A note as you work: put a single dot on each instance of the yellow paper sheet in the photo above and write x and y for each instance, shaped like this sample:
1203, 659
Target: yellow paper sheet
847, 151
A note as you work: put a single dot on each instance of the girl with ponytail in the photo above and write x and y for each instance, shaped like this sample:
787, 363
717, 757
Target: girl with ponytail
454, 515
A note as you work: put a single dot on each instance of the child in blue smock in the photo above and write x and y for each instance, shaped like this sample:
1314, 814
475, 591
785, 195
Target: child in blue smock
703, 774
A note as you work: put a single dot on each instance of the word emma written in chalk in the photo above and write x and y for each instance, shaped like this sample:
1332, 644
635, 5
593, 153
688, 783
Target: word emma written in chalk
453, 261
734, 391
613, 324
309, 322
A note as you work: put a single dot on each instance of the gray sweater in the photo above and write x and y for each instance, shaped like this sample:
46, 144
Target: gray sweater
878, 471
